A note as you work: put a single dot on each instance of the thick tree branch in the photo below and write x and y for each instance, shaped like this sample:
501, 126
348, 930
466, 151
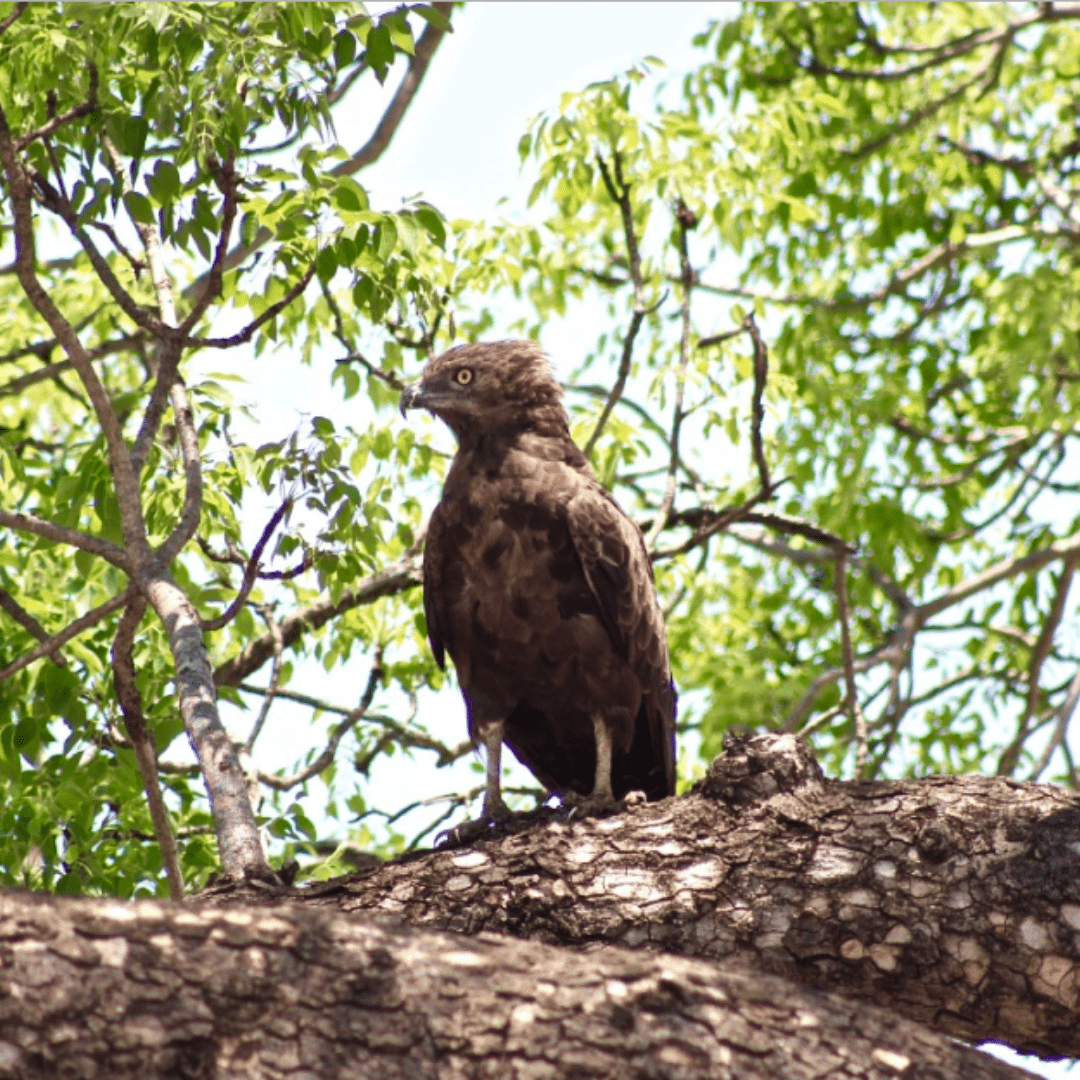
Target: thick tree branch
273, 993
124, 477
954, 900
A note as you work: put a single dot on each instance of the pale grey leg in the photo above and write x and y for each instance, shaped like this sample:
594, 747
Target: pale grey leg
601, 791
494, 807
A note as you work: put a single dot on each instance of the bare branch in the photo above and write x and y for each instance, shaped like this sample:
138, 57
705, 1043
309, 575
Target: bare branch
142, 742
619, 191
225, 175
249, 331
326, 757
851, 702
84, 622
1039, 652
686, 221
267, 612
251, 571
1061, 727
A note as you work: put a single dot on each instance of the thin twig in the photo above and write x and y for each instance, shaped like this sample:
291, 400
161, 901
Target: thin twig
402, 574
251, 570
267, 613
84, 622
1039, 652
852, 705
27, 621
245, 335
225, 176
686, 220
619, 191
1061, 727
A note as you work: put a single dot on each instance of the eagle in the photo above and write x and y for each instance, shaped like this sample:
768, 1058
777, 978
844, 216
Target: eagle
541, 590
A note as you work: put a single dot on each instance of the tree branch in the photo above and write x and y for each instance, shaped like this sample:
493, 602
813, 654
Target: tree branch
251, 570
58, 534
685, 221
27, 621
620, 195
142, 742
127, 488
397, 577
84, 622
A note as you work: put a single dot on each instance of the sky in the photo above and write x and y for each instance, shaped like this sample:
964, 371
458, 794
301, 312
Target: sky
504, 64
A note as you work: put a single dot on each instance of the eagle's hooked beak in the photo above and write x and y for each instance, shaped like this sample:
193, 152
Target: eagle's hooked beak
412, 397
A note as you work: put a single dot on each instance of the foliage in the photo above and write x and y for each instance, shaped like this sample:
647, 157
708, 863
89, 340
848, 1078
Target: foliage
881, 199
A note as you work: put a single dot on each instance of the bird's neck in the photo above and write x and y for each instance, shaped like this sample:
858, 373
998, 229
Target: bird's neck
541, 433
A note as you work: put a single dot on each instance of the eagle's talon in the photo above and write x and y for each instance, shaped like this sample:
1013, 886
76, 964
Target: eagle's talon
586, 806
486, 827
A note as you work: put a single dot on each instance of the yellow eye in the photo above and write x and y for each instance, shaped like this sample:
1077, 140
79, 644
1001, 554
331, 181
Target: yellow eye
464, 376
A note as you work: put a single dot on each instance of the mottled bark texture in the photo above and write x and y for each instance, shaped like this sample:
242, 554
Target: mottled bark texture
954, 901
97, 988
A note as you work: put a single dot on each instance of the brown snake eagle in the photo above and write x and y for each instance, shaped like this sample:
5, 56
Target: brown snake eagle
540, 589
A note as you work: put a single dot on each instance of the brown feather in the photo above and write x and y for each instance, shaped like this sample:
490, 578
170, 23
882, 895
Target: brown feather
537, 584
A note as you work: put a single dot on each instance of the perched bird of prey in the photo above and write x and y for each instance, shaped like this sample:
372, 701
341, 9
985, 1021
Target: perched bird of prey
540, 589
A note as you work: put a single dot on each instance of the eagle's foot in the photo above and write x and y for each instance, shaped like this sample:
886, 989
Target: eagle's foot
491, 823
584, 806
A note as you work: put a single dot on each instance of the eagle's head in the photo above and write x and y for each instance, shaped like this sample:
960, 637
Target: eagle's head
488, 386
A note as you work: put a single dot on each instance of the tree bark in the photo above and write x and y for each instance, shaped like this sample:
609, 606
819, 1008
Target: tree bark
954, 901
97, 988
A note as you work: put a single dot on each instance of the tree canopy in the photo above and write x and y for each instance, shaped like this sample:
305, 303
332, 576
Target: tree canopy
834, 376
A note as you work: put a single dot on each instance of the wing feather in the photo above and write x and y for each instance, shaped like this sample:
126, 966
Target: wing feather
434, 593
617, 568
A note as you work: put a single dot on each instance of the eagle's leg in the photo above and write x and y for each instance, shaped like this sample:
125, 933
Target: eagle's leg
495, 810
601, 792
602, 799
